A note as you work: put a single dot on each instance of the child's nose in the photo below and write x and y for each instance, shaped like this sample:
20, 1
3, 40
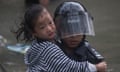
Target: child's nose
49, 28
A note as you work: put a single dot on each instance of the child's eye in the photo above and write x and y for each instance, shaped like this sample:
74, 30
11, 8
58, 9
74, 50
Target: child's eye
42, 27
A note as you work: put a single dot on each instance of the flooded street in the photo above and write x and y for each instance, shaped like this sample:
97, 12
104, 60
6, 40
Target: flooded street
106, 15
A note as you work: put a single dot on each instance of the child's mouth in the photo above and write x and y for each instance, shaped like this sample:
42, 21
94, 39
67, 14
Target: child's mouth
51, 34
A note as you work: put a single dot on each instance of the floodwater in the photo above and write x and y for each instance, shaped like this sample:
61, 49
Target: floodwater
106, 15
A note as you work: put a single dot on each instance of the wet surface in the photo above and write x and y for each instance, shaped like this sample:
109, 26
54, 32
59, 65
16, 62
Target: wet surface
106, 21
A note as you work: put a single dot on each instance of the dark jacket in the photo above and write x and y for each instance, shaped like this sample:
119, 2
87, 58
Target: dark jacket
84, 52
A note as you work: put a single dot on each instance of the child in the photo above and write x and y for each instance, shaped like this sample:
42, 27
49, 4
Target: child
74, 23
44, 55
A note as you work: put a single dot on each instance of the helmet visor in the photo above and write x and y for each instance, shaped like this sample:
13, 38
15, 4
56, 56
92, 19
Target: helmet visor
76, 24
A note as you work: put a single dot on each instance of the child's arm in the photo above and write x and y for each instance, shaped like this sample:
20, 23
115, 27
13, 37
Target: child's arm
50, 58
55, 60
101, 67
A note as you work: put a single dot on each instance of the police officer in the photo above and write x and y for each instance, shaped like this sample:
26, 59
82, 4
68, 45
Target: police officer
74, 23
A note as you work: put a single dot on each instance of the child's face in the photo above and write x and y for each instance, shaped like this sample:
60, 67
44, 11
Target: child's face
44, 26
73, 41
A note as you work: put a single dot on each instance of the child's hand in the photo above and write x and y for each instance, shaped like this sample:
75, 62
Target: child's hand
101, 67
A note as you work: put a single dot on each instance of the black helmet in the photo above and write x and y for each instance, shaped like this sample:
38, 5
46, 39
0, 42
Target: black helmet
66, 6
74, 19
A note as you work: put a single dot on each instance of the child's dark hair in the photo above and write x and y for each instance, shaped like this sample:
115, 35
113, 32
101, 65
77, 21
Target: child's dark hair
26, 28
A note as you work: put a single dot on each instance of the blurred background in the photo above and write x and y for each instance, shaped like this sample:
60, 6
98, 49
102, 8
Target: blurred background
106, 22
